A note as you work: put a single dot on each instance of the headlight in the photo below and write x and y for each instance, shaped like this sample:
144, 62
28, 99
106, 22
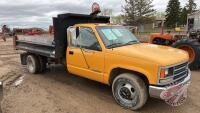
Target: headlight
166, 72
163, 73
173, 73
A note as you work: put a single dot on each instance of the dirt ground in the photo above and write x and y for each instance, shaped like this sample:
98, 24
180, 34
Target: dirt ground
56, 91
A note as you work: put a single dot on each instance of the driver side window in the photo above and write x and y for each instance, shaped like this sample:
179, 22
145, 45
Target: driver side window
87, 39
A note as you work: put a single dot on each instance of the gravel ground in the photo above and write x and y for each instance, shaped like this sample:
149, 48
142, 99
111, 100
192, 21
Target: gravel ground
56, 91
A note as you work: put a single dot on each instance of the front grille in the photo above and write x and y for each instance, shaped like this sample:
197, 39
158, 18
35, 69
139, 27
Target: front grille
178, 73
181, 74
181, 65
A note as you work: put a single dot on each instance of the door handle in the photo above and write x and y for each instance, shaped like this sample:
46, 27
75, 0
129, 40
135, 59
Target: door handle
71, 52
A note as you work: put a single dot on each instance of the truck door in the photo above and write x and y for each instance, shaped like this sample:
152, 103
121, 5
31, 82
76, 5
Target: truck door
85, 57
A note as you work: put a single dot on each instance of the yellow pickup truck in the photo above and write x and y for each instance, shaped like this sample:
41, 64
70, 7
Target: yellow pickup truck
93, 48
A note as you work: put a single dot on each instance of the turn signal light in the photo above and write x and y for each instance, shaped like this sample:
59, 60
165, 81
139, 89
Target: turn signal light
162, 73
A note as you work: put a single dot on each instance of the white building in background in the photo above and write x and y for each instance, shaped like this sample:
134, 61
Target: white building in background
193, 22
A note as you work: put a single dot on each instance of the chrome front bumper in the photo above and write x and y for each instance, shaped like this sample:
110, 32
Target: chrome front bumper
155, 91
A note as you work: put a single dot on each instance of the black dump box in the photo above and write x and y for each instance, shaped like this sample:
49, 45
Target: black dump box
57, 48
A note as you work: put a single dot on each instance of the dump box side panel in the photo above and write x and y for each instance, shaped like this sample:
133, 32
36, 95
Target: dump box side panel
36, 48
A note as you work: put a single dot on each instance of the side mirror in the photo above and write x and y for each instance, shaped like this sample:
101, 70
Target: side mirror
98, 48
77, 32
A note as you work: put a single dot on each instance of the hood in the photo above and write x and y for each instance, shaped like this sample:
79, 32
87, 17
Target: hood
163, 55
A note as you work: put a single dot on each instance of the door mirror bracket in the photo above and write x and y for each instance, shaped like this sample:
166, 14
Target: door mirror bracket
77, 32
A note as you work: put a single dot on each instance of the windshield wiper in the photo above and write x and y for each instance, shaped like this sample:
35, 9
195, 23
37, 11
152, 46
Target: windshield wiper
114, 45
121, 44
132, 42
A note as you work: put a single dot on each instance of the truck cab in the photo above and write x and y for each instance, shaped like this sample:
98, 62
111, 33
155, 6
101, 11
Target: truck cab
104, 52
112, 55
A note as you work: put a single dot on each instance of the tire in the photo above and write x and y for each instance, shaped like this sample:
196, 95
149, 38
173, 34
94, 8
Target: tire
33, 64
194, 45
126, 85
43, 64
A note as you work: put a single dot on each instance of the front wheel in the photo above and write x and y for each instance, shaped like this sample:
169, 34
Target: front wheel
129, 91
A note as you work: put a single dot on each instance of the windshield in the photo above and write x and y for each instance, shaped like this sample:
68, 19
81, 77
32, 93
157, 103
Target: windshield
116, 36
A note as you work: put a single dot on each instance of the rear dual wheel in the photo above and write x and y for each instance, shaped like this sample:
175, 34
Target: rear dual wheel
43, 63
35, 64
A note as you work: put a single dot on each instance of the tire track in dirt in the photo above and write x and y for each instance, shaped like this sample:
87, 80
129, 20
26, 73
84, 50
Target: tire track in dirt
9, 68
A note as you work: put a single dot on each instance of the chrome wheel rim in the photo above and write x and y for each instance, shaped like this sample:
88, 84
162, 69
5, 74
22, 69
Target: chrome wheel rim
30, 64
127, 93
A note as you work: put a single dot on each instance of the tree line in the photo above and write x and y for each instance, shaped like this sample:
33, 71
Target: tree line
175, 15
139, 12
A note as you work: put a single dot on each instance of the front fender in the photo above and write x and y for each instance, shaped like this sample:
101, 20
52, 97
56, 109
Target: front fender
152, 78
